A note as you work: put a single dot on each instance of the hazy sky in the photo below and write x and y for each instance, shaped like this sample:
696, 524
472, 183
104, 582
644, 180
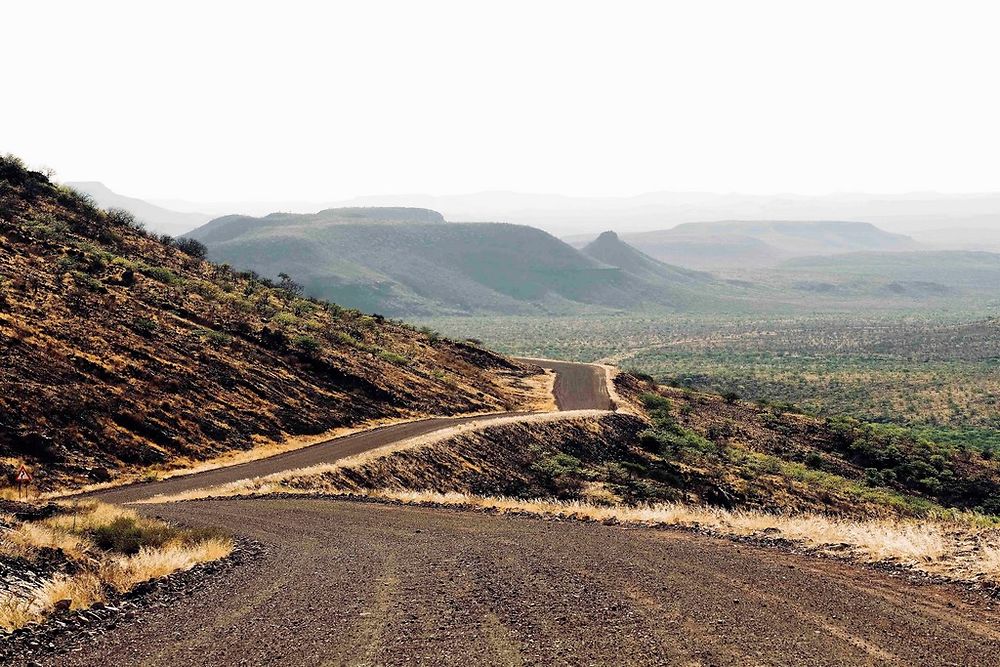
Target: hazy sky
325, 100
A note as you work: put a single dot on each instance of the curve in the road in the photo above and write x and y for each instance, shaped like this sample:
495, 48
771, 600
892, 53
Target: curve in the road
577, 387
356, 583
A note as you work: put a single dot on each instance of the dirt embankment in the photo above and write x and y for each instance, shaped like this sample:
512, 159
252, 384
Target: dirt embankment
526, 458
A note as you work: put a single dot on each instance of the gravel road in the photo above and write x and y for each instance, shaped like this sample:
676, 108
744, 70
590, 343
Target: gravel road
349, 583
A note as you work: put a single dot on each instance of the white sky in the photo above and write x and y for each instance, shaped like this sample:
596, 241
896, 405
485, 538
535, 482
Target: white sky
326, 100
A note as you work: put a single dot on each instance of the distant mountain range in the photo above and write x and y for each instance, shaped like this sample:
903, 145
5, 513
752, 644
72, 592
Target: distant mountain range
742, 244
562, 215
155, 218
405, 261
964, 216
408, 261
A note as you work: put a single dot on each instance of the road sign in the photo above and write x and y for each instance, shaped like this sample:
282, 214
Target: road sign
22, 475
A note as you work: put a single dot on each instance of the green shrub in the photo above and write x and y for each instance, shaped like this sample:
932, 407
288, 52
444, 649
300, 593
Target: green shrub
213, 337
87, 282
285, 319
145, 326
192, 247
393, 358
307, 344
119, 217
655, 403
128, 535
161, 274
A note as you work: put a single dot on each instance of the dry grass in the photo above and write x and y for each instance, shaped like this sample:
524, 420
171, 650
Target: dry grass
25, 540
124, 572
97, 571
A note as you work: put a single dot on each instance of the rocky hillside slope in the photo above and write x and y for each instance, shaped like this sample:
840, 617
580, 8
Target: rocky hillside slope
119, 350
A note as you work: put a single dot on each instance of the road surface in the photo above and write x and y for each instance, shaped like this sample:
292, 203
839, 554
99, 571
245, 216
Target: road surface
348, 583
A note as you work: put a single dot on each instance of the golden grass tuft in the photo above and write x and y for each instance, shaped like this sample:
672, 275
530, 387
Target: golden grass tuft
26, 539
124, 572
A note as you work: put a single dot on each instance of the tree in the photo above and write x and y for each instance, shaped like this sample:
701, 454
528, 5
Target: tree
287, 284
192, 247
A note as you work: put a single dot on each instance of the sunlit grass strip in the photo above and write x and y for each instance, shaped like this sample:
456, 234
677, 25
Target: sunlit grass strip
961, 546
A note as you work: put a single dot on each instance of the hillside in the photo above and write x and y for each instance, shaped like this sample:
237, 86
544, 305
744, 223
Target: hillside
121, 352
156, 218
740, 244
611, 250
420, 268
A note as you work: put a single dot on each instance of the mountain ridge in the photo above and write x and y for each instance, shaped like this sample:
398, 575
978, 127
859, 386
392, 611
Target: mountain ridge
448, 268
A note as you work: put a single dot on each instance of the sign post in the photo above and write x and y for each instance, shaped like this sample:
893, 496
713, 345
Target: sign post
23, 478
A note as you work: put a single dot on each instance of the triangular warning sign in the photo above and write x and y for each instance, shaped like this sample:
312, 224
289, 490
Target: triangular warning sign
23, 475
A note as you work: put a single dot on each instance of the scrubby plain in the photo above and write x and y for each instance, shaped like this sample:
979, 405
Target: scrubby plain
939, 372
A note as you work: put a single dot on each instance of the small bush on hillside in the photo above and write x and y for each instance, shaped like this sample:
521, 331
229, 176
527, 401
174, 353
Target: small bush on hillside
192, 247
560, 474
145, 326
393, 358
162, 274
214, 338
432, 336
285, 319
286, 283
87, 282
307, 344
119, 217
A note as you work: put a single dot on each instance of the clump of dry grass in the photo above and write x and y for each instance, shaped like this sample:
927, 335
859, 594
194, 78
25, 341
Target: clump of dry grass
124, 572
25, 540
79, 532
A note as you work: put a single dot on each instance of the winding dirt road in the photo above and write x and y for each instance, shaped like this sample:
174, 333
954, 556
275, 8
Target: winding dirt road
348, 583
577, 387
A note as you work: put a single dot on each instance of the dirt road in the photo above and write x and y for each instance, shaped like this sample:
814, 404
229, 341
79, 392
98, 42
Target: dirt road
348, 583
577, 387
